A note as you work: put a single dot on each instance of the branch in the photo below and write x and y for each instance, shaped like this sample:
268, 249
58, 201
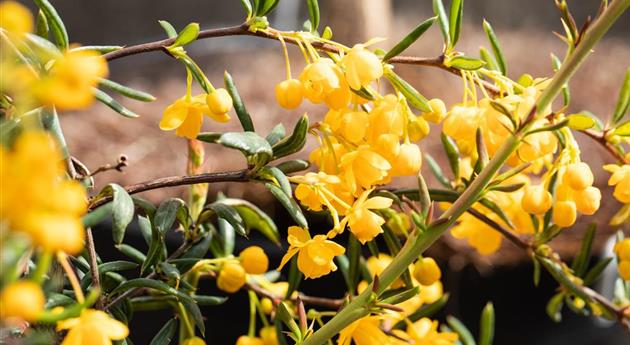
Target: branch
96, 279
172, 181
243, 30
601, 139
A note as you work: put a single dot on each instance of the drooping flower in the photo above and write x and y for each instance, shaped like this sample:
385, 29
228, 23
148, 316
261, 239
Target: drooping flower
386, 118
622, 249
315, 255
319, 79
254, 260
536, 200
219, 102
363, 168
247, 340
269, 335
36, 197
361, 67
364, 223
426, 271
21, 299
289, 93
185, 115
364, 331
425, 332
620, 178
231, 277
93, 327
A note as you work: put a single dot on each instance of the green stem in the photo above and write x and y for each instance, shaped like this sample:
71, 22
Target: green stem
252, 314
416, 244
43, 264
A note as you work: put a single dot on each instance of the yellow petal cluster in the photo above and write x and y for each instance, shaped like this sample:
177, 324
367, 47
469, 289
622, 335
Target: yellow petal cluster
93, 327
575, 193
185, 115
23, 300
364, 331
35, 196
622, 249
620, 178
315, 255
15, 17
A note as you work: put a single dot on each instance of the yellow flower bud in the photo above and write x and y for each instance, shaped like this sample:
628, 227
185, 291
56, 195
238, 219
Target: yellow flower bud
564, 213
439, 111
361, 67
536, 199
408, 161
22, 299
219, 101
622, 249
319, 79
266, 305
246, 340
289, 93
624, 269
15, 17
426, 271
269, 335
194, 341
418, 128
587, 201
231, 277
578, 176
254, 260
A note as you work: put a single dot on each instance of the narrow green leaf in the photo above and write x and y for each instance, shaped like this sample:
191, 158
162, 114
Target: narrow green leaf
253, 146
247, 6
166, 214
581, 261
237, 102
486, 327
623, 101
41, 25
294, 278
166, 333
168, 28
127, 91
455, 20
293, 165
156, 250
409, 39
151, 284
437, 171
193, 309
402, 296
122, 210
289, 204
255, 218
591, 276
205, 300
230, 215
277, 176
412, 95
313, 12
566, 93
55, 23
491, 63
267, 6
97, 215
276, 134
354, 259
132, 253
452, 154
465, 62
438, 10
293, 143
496, 47
113, 104
554, 307
187, 35
464, 334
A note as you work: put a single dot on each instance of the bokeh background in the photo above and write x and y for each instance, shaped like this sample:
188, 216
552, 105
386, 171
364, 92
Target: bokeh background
98, 136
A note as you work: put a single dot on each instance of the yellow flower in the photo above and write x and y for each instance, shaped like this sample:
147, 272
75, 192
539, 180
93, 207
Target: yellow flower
479, 235
70, 83
363, 223
377, 264
231, 277
438, 112
93, 327
425, 332
587, 200
247, 340
426, 271
326, 156
620, 178
289, 93
461, 124
361, 67
22, 299
386, 118
186, 116
564, 213
219, 102
622, 249
578, 176
417, 128
269, 335
194, 341
254, 260
15, 17
363, 168
624, 269
364, 331
35, 197
408, 161
319, 79
310, 191
315, 255
350, 125
536, 200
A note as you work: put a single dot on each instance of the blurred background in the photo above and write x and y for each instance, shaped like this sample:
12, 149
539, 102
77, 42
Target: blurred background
98, 136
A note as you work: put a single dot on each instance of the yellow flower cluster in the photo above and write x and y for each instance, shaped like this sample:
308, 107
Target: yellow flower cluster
93, 327
620, 178
267, 336
367, 331
315, 255
233, 273
622, 249
37, 199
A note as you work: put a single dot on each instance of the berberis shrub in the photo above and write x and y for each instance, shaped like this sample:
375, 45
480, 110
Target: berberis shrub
516, 174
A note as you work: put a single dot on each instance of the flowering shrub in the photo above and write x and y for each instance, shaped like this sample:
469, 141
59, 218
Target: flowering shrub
517, 174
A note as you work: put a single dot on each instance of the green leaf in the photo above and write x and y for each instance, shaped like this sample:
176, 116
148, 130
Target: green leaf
455, 20
496, 47
168, 28
464, 334
313, 12
230, 215
187, 35
289, 204
237, 102
193, 309
285, 316
247, 6
581, 261
465, 62
436, 170
97, 215
491, 63
354, 259
254, 218
294, 278
293, 143
151, 284
554, 307
276, 134
122, 210
267, 6
113, 104
412, 95
402, 296
623, 101
254, 147
452, 153
41, 25
486, 327
132, 253
591, 276
409, 39
55, 23
205, 300
580, 122
293, 165
116, 266
166, 214
166, 333
126, 91
438, 10
566, 93
156, 250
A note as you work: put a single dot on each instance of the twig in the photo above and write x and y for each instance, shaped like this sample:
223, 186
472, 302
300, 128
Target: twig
601, 139
120, 164
96, 279
243, 30
172, 181
329, 303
